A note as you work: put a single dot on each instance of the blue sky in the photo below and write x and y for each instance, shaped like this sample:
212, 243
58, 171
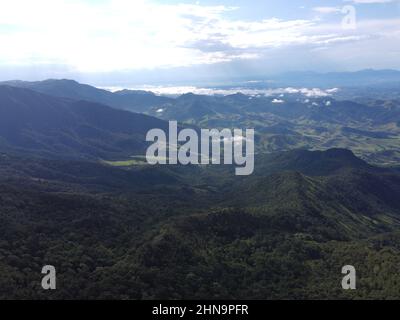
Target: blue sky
110, 42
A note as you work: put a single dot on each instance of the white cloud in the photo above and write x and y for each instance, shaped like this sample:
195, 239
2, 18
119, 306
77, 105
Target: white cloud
327, 10
277, 92
333, 90
105, 36
113, 35
370, 1
314, 92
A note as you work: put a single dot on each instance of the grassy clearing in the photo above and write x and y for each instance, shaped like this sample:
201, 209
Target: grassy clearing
133, 161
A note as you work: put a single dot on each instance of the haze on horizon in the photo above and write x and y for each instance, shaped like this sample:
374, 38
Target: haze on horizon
123, 42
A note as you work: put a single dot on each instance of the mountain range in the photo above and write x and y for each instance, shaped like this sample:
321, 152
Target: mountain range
367, 77
200, 233
59, 127
133, 100
72, 196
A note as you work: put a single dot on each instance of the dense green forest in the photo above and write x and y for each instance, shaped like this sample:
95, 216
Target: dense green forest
283, 233
73, 196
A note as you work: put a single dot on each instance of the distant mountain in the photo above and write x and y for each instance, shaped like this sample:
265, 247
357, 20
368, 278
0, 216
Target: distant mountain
190, 107
64, 88
308, 119
197, 108
368, 77
63, 128
194, 108
132, 100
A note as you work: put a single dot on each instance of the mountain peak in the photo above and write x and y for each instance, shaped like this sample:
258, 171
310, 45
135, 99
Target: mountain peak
313, 163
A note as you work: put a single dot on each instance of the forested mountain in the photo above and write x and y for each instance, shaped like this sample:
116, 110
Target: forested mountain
293, 121
284, 118
121, 229
31, 122
133, 100
136, 233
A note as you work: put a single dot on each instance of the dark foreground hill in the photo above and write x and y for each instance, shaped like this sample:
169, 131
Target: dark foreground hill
285, 233
34, 123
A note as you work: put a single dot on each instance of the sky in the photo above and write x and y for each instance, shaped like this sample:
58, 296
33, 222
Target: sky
120, 42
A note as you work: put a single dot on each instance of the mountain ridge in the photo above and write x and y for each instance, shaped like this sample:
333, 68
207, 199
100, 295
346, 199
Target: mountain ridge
132, 100
68, 128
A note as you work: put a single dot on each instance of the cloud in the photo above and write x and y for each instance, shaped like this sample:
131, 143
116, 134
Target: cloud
327, 10
370, 1
104, 36
276, 92
120, 35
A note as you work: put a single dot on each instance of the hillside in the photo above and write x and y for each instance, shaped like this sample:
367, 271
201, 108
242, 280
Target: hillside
35, 123
163, 234
132, 100
284, 118
121, 229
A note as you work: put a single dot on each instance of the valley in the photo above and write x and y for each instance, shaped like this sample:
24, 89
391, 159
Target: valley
77, 193
303, 119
